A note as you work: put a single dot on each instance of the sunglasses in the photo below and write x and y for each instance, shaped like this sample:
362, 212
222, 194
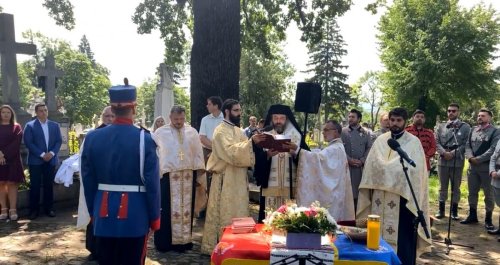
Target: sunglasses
452, 110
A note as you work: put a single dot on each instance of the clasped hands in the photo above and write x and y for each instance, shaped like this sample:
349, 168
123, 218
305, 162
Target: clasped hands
47, 157
355, 162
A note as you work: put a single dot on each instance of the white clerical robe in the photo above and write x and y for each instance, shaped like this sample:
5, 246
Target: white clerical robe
324, 176
384, 182
278, 189
232, 154
180, 153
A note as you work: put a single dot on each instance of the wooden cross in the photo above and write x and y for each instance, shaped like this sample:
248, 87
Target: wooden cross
9, 48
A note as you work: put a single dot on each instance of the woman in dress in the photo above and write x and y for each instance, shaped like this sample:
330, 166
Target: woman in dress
11, 168
158, 122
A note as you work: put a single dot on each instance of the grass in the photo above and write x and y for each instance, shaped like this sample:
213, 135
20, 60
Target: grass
464, 191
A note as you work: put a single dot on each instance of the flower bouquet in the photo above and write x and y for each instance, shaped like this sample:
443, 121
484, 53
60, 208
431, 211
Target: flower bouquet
304, 226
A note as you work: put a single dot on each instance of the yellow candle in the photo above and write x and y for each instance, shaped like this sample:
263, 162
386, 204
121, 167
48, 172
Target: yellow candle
373, 232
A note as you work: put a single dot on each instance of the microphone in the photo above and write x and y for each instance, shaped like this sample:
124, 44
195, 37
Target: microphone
394, 145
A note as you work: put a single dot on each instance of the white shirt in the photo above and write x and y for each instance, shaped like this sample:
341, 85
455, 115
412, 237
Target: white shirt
45, 129
208, 124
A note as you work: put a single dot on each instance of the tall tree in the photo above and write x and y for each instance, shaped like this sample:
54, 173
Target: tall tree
436, 52
325, 58
263, 82
370, 91
62, 12
83, 88
84, 47
217, 35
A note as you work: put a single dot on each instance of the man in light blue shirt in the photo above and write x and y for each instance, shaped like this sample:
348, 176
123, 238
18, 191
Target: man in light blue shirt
209, 122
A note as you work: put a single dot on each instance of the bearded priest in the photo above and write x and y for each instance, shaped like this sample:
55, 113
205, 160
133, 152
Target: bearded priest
384, 190
181, 164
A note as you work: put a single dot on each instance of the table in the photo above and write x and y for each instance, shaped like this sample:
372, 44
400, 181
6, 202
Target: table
254, 249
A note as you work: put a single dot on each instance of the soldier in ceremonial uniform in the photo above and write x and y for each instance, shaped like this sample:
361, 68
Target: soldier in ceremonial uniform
121, 183
451, 137
481, 144
357, 143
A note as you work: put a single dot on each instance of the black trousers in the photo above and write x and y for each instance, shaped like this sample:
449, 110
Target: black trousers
42, 176
163, 237
407, 248
122, 250
91, 241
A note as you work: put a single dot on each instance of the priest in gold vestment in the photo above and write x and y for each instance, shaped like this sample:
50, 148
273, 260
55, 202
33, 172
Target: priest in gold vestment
324, 176
384, 190
181, 164
232, 154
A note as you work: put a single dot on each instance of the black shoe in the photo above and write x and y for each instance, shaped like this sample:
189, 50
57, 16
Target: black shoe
454, 211
50, 213
471, 218
488, 223
494, 232
33, 215
440, 214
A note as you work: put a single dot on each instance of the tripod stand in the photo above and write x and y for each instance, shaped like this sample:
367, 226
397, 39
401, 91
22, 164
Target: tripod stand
447, 240
419, 219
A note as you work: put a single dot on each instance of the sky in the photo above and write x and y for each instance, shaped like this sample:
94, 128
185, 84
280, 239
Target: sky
116, 45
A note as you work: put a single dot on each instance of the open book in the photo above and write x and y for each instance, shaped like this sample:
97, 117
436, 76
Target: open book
275, 142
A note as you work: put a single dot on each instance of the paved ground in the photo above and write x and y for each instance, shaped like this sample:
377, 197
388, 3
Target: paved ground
57, 241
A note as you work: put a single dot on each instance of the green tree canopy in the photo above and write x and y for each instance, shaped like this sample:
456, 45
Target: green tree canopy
436, 52
325, 60
83, 88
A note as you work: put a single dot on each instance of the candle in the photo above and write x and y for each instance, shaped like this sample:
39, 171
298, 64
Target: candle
373, 232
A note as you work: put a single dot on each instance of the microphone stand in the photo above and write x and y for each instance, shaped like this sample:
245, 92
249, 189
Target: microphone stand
419, 219
447, 240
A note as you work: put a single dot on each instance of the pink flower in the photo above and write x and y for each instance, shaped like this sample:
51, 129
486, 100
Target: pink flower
282, 209
310, 213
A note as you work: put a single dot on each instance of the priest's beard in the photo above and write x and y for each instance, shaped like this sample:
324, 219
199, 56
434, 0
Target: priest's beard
235, 119
395, 130
279, 127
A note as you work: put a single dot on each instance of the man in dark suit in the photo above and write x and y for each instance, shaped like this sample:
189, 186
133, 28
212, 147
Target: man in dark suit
43, 139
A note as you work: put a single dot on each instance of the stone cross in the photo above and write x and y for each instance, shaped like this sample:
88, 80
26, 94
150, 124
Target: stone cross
9, 48
50, 72
164, 96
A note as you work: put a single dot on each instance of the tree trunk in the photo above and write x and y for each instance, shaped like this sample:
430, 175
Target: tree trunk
215, 55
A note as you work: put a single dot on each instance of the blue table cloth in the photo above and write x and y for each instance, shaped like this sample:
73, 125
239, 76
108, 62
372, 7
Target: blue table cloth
350, 250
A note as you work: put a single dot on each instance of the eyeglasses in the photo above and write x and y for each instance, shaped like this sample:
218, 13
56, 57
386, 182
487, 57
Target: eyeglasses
452, 110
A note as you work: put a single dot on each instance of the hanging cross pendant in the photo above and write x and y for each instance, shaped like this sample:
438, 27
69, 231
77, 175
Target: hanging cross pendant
181, 155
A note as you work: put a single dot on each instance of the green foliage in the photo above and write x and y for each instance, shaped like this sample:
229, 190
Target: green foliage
62, 12
369, 90
326, 62
73, 143
263, 22
436, 53
146, 100
263, 82
83, 88
84, 47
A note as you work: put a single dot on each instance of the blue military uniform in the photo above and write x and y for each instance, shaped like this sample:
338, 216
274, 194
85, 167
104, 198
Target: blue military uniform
123, 202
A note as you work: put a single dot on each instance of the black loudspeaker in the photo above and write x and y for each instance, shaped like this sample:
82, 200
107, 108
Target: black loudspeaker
307, 97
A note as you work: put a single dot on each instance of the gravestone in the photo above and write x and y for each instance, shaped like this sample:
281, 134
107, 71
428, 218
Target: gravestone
164, 95
50, 73
9, 48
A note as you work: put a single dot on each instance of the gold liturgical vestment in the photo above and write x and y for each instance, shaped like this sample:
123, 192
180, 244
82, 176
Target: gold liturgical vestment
384, 182
278, 189
232, 154
180, 154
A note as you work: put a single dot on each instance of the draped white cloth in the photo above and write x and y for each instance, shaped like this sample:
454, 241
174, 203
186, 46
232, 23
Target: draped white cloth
324, 177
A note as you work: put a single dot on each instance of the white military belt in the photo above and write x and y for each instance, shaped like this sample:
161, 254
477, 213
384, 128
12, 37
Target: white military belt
121, 188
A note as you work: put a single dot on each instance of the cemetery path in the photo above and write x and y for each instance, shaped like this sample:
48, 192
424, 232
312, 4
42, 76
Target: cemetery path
57, 241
